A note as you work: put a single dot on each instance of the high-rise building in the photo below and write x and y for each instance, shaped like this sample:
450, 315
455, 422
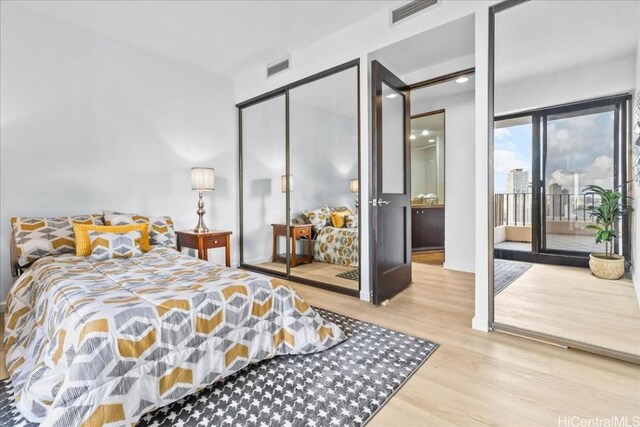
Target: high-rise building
519, 202
518, 181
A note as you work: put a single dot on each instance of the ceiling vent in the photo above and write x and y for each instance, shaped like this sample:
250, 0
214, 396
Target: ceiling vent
278, 67
410, 8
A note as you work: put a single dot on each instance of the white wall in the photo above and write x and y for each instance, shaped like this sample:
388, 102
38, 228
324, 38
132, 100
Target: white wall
88, 123
459, 175
589, 81
357, 41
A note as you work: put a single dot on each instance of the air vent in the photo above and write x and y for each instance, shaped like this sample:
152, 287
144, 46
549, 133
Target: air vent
278, 67
410, 8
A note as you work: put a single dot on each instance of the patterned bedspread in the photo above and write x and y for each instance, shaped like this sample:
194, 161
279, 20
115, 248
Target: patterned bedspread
104, 342
337, 246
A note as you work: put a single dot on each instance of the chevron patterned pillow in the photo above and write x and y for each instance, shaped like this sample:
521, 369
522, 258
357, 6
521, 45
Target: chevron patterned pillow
161, 230
105, 246
37, 237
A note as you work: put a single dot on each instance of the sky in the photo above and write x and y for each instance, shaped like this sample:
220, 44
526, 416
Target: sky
579, 152
512, 150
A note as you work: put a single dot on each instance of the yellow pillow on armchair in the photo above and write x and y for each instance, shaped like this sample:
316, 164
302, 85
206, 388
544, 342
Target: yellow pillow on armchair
83, 243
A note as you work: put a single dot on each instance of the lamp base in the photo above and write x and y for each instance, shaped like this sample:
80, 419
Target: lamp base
200, 227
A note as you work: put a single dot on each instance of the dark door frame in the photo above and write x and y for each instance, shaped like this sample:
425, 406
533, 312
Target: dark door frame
284, 91
619, 105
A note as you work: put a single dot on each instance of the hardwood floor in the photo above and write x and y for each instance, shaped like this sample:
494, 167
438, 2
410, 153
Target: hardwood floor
319, 271
478, 378
572, 303
430, 257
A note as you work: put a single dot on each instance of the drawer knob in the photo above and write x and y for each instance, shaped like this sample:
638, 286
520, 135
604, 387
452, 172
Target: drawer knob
215, 242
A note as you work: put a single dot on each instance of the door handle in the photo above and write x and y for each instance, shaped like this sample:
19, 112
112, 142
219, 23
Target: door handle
383, 202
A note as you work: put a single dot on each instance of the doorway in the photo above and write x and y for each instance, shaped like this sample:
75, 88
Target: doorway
441, 90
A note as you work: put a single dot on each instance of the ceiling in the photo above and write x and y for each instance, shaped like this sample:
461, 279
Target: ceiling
442, 90
213, 35
441, 44
537, 38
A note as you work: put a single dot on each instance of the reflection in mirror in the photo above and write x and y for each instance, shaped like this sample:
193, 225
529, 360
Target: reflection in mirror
324, 160
393, 141
263, 164
564, 75
427, 159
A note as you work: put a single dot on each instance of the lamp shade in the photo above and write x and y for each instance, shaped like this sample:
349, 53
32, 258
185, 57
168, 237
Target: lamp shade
283, 183
353, 184
203, 179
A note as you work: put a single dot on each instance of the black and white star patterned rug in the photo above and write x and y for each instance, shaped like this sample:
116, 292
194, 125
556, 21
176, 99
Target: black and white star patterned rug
343, 386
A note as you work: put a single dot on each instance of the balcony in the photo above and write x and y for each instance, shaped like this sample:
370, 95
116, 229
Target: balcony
564, 223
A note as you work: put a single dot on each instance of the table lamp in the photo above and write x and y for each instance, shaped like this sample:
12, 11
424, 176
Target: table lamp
202, 179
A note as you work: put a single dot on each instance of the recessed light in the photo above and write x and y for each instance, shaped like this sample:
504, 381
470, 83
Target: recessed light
425, 132
412, 137
392, 95
432, 140
462, 79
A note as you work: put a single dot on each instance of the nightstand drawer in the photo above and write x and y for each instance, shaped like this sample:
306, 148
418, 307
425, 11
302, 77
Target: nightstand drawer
302, 232
215, 241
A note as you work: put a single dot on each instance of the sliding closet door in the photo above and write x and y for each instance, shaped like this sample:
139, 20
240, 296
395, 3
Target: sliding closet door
323, 141
263, 154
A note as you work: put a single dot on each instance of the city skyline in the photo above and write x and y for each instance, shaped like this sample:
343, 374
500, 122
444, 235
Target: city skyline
579, 152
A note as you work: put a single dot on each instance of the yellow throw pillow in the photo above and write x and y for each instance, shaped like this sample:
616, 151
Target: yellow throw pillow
83, 243
337, 218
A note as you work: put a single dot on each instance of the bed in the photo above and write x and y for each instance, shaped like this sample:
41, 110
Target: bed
337, 246
93, 342
335, 234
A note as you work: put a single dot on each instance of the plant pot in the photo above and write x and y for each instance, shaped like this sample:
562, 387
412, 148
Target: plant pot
606, 268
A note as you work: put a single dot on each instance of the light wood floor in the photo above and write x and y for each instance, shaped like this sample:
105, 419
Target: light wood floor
431, 257
572, 303
319, 271
477, 378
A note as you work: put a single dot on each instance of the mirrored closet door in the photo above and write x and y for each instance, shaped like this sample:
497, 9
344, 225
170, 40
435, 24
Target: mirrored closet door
564, 76
263, 199
300, 181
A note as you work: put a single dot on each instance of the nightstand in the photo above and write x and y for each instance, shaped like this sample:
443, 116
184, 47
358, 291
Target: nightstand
297, 232
205, 241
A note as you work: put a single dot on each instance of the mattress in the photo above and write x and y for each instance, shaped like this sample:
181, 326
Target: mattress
105, 342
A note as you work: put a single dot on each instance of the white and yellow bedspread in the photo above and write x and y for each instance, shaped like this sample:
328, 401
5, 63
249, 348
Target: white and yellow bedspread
90, 343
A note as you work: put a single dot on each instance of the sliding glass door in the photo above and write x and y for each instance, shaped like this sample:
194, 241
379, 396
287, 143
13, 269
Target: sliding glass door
544, 160
579, 150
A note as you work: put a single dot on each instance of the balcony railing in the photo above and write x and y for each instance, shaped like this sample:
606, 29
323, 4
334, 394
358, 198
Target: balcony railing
515, 208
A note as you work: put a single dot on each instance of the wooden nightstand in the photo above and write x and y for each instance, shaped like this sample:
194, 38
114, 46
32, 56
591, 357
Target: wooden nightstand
205, 241
297, 231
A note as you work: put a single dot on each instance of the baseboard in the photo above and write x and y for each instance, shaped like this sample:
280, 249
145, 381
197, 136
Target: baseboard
479, 324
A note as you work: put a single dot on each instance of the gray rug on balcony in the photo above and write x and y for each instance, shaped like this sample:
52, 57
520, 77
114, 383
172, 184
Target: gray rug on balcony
506, 272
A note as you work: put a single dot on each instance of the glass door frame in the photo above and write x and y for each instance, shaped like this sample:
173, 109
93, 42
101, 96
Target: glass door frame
620, 106
625, 120
284, 91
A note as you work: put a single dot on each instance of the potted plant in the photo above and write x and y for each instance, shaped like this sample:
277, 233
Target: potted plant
606, 214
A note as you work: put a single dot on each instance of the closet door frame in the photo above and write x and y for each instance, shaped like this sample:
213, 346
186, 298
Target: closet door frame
284, 90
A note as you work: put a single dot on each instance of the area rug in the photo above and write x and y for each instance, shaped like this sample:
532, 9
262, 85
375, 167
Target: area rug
506, 272
351, 274
343, 386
